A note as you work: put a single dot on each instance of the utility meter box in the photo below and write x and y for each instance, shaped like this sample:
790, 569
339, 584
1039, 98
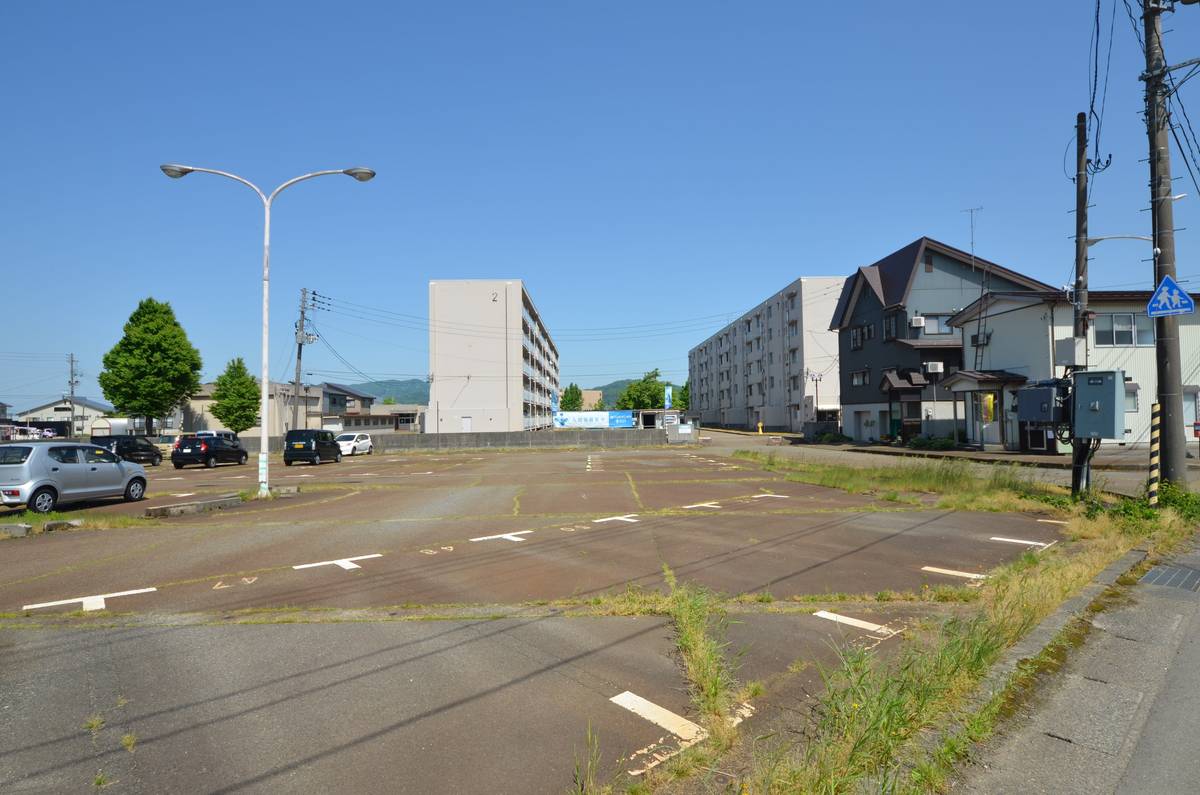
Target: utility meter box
1042, 405
1099, 404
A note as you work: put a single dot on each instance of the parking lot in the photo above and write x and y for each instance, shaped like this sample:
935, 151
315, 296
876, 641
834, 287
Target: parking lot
413, 612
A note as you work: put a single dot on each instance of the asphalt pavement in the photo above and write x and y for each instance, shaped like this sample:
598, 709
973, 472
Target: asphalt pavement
287, 645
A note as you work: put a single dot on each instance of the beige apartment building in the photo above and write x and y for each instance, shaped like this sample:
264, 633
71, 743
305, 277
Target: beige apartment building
777, 364
492, 364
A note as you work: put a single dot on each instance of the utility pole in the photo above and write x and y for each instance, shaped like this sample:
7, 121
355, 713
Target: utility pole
816, 379
1158, 126
302, 338
1081, 449
72, 382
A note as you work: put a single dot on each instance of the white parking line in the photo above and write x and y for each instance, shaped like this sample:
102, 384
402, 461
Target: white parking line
853, 622
345, 563
626, 518
235, 477
506, 536
1020, 541
184, 494
89, 602
777, 496
952, 573
1051, 521
178, 478
703, 505
681, 727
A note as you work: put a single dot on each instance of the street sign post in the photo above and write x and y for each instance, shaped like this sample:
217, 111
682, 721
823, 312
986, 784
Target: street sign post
1170, 299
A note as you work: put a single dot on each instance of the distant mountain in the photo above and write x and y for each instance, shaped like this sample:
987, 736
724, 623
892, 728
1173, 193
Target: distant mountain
410, 390
613, 391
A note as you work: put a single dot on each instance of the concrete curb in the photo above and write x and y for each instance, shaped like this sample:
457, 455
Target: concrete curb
65, 524
198, 506
17, 530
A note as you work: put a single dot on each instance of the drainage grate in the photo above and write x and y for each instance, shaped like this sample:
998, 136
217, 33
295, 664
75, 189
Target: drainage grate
1183, 577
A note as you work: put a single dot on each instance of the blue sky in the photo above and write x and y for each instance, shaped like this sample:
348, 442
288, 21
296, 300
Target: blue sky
632, 162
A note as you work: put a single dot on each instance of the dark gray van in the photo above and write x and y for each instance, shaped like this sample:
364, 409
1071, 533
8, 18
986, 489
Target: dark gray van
311, 446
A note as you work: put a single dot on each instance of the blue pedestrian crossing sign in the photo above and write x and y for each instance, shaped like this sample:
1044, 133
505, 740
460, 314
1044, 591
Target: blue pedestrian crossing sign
1170, 299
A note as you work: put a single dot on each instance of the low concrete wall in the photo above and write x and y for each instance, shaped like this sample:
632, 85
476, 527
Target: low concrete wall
392, 442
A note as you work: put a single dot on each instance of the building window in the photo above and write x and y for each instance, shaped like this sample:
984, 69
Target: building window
772, 382
936, 324
889, 327
770, 357
795, 382
912, 410
768, 312
929, 262
1131, 399
1123, 329
859, 378
869, 331
1145, 330
856, 338
793, 329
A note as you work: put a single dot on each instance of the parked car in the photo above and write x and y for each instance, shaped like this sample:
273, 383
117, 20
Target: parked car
207, 450
131, 448
310, 446
43, 475
229, 436
355, 443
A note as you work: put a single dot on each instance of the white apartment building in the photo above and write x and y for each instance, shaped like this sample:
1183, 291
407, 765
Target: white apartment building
492, 364
764, 367
1025, 337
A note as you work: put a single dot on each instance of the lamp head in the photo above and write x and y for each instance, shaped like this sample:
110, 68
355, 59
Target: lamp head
359, 173
176, 171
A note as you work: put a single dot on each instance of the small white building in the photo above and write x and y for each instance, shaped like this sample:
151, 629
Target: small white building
87, 411
1014, 338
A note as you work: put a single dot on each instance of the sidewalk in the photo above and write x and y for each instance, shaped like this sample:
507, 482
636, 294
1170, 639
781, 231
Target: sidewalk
1123, 714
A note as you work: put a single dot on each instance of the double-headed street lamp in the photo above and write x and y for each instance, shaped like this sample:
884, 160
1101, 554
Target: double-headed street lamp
175, 171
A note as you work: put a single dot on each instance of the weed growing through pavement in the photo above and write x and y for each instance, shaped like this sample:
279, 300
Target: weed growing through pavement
94, 723
584, 779
128, 741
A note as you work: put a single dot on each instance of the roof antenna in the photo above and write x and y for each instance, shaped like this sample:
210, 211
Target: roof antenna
980, 323
972, 211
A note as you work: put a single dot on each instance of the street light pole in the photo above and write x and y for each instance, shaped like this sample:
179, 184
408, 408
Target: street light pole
175, 171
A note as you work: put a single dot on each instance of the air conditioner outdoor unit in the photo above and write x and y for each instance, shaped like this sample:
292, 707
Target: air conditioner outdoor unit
933, 367
978, 342
917, 322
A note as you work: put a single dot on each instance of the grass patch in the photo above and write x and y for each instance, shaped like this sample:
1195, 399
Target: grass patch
1006, 488
94, 723
88, 521
128, 741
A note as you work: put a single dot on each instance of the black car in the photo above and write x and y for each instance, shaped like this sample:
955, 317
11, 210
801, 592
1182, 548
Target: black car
207, 450
131, 448
311, 446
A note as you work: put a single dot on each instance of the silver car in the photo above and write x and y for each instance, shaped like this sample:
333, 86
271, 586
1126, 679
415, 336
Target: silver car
41, 475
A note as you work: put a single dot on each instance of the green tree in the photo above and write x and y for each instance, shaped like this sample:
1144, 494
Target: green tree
389, 401
599, 404
153, 368
646, 393
683, 401
572, 398
236, 397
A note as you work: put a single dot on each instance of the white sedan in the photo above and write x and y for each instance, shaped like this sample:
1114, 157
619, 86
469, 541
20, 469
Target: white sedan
355, 443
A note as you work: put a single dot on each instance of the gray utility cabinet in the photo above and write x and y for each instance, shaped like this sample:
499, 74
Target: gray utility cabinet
1043, 404
1099, 405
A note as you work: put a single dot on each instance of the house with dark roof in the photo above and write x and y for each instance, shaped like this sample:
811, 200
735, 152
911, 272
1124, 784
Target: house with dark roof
1012, 338
895, 343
